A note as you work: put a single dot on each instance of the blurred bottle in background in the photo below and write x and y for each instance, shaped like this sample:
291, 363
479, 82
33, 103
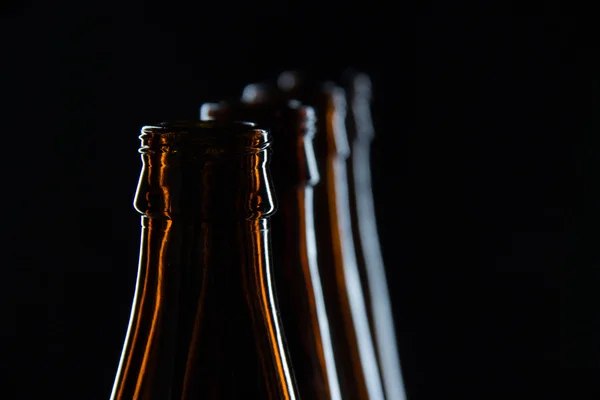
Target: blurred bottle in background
354, 310
297, 277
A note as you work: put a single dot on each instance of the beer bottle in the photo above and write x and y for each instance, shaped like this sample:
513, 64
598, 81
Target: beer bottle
360, 131
364, 225
204, 322
297, 278
356, 359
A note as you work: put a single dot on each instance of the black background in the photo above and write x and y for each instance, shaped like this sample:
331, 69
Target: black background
470, 178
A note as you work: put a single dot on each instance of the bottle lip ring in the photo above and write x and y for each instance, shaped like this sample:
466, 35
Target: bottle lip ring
295, 106
182, 135
303, 114
208, 127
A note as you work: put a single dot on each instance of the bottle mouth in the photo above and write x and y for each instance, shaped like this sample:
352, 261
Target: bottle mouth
258, 93
289, 80
264, 116
172, 136
199, 127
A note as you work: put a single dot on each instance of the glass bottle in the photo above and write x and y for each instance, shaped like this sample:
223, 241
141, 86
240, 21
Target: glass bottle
295, 255
361, 132
356, 358
204, 321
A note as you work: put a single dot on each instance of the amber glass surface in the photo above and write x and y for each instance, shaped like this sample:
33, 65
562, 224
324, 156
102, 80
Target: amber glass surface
295, 255
204, 321
356, 359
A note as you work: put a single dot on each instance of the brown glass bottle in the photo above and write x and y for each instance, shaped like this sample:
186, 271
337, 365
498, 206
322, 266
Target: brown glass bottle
204, 321
364, 225
356, 360
294, 252
360, 133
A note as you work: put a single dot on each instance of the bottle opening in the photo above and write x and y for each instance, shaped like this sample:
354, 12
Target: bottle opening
201, 126
188, 135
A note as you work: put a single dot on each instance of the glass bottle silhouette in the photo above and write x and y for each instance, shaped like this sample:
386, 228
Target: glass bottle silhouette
360, 131
204, 321
356, 359
297, 276
364, 225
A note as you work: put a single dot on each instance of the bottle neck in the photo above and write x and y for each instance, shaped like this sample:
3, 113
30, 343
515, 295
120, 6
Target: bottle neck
205, 173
